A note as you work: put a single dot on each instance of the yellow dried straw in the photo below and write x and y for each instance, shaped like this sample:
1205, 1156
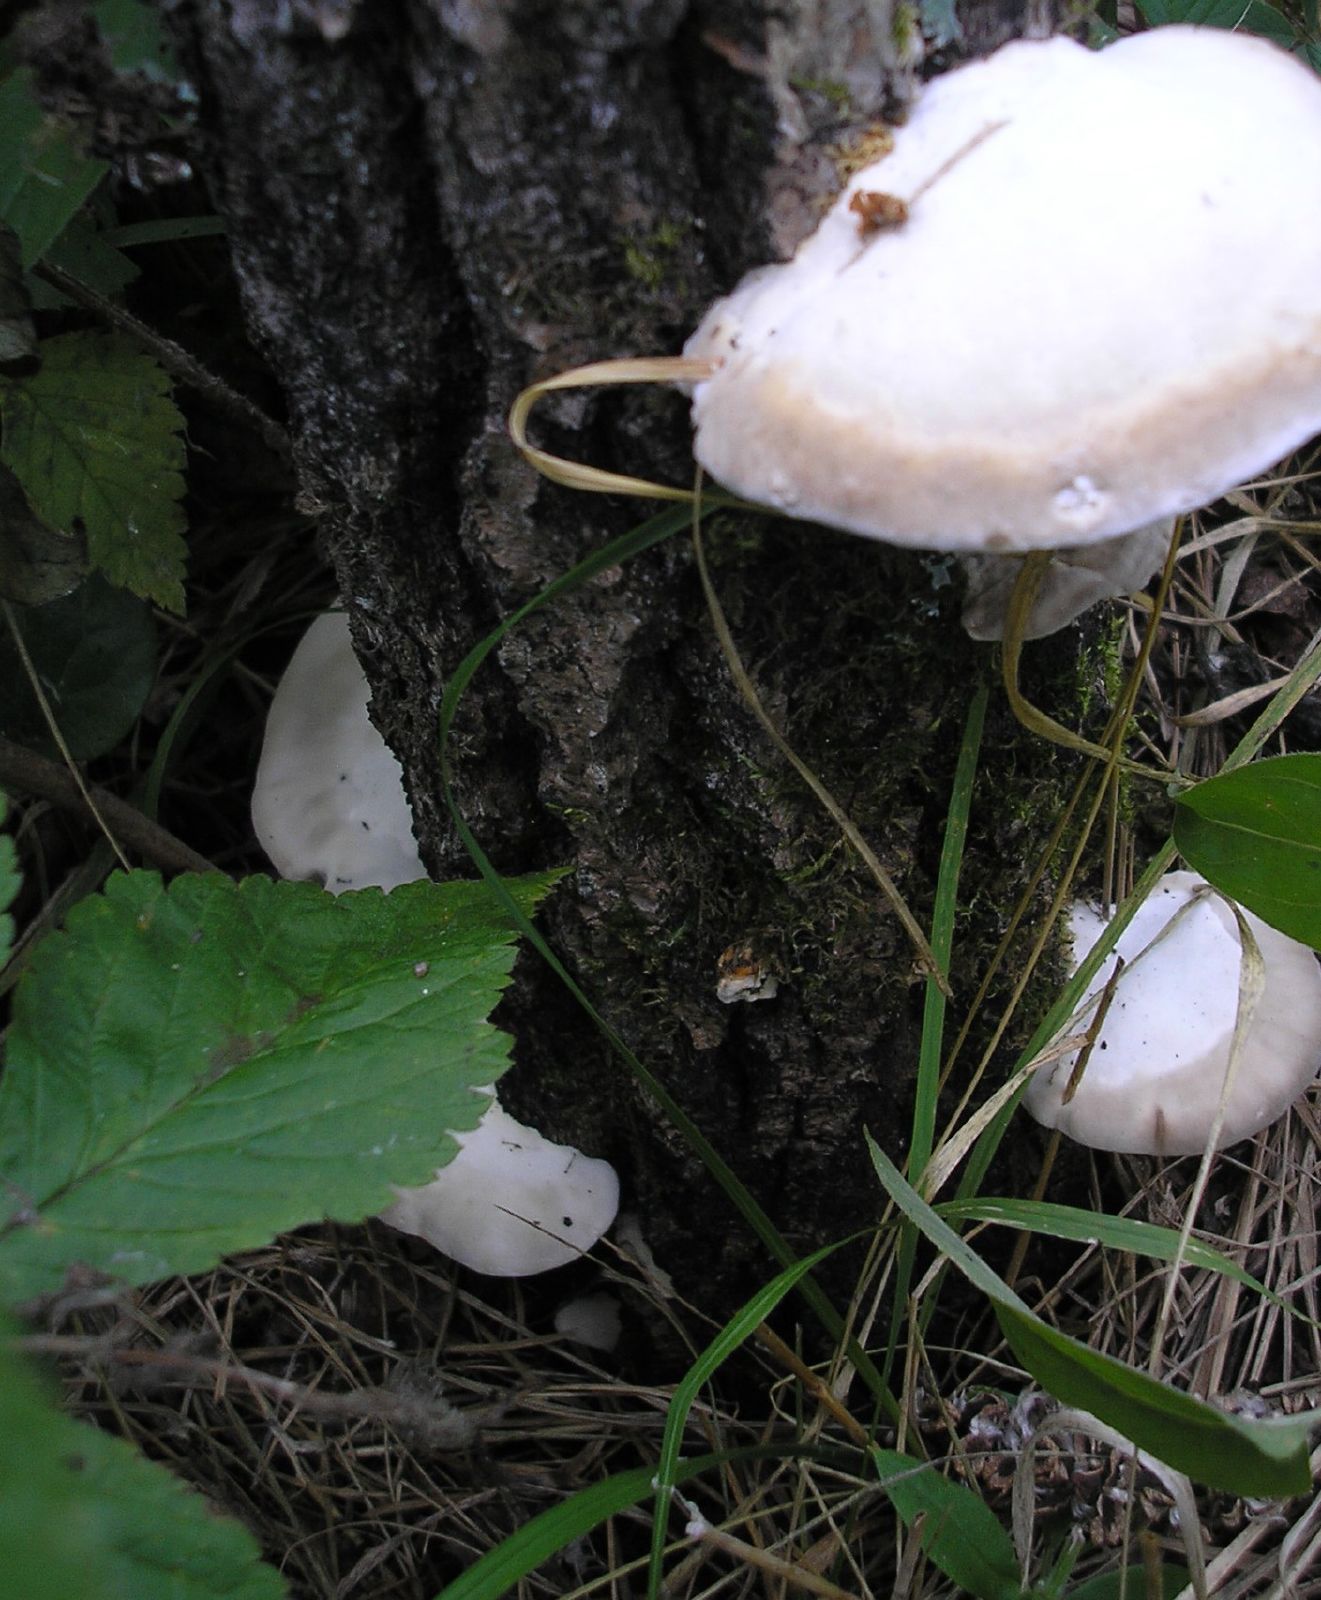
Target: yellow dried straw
630, 369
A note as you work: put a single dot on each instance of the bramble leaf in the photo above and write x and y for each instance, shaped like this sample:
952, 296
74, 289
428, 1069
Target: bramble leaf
195, 1069
84, 1516
132, 31
37, 562
95, 440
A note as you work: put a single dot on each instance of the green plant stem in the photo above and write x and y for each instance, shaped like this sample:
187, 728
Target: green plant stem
178, 362
944, 915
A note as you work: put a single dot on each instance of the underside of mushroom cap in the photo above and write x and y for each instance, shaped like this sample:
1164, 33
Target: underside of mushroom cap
1104, 309
1073, 582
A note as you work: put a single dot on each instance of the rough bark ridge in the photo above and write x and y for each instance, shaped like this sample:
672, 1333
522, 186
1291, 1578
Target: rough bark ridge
431, 203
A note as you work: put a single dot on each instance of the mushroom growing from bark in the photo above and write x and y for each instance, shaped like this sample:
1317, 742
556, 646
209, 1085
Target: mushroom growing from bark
329, 804
329, 801
1092, 301
1154, 1079
511, 1203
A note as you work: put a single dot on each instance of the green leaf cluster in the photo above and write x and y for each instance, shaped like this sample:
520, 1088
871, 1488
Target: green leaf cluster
91, 454
190, 1070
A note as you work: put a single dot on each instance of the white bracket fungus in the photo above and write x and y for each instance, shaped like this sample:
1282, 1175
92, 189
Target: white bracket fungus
329, 801
1081, 294
329, 804
511, 1203
1154, 1079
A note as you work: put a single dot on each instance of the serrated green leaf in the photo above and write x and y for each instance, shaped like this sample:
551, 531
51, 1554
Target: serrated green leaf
958, 1531
1266, 1459
44, 177
1255, 833
195, 1069
85, 1517
95, 440
94, 652
11, 882
37, 562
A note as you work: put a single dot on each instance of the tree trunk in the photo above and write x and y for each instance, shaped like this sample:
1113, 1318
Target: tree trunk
430, 204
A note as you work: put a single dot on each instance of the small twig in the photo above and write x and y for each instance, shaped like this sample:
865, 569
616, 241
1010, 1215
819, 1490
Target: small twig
446, 1425
815, 1386
173, 357
25, 772
790, 1572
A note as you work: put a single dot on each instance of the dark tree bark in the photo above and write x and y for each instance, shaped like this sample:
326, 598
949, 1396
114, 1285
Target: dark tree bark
431, 203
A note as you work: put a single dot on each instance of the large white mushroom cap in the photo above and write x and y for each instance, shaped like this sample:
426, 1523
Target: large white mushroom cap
1153, 1082
511, 1203
329, 801
1105, 309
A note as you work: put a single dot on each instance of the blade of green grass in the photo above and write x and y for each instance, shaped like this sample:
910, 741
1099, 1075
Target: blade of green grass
956, 1528
943, 917
496, 1573
730, 1337
1117, 1233
1263, 1459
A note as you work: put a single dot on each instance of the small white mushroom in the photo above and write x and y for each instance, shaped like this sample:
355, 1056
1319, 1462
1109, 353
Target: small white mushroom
329, 804
591, 1319
1153, 1082
511, 1203
1057, 311
329, 801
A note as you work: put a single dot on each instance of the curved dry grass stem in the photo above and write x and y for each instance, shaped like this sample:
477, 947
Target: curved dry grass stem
576, 474
1032, 717
926, 957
